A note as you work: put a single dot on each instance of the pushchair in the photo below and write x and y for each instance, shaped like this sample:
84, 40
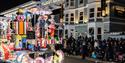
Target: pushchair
120, 57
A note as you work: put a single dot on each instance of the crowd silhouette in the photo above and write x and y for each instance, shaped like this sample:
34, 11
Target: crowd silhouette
111, 49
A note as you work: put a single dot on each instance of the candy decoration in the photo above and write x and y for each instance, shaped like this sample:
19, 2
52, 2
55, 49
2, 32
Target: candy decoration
5, 51
20, 17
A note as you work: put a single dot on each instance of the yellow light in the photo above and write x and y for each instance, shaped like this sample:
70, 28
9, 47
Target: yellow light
34, 10
120, 8
76, 22
108, 1
107, 11
85, 19
20, 10
103, 13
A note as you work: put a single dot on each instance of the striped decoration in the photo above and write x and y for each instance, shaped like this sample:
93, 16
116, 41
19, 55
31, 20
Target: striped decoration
5, 52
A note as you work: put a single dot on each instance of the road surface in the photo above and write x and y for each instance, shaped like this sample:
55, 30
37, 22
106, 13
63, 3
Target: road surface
69, 59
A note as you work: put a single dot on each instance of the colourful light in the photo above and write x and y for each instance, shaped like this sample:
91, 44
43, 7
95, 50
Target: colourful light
20, 10
21, 27
33, 10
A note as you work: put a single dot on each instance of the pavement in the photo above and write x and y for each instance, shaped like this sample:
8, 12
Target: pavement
69, 59
90, 59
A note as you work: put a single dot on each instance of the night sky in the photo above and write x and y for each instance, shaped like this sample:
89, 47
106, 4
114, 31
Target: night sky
7, 4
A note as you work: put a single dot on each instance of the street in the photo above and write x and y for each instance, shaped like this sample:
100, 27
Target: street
69, 59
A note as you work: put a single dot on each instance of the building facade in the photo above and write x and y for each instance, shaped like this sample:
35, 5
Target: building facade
93, 18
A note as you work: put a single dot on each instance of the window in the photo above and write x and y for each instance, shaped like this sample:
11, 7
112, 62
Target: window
80, 1
81, 16
66, 31
91, 10
91, 20
99, 12
99, 9
99, 37
91, 14
67, 17
67, 3
72, 30
67, 0
72, 17
71, 2
91, 31
98, 19
99, 30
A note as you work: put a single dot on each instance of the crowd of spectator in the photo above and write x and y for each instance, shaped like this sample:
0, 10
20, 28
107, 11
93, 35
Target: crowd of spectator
111, 49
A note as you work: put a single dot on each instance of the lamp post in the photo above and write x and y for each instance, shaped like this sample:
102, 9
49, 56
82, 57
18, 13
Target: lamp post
61, 26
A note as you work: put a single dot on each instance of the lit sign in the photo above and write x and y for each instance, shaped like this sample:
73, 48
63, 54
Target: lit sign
119, 11
120, 8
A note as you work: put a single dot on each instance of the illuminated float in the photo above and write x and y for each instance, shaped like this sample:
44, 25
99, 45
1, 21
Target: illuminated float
42, 30
5, 31
4, 51
20, 27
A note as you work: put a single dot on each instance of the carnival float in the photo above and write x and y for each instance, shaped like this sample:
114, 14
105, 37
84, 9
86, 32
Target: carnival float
28, 31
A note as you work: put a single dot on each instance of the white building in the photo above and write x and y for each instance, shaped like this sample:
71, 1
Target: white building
77, 14
89, 18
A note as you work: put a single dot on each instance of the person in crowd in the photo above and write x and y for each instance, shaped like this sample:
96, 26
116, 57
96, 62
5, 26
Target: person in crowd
89, 48
84, 51
115, 49
96, 44
70, 42
64, 45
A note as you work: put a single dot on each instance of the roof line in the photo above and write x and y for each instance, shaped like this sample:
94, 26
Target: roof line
19, 6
